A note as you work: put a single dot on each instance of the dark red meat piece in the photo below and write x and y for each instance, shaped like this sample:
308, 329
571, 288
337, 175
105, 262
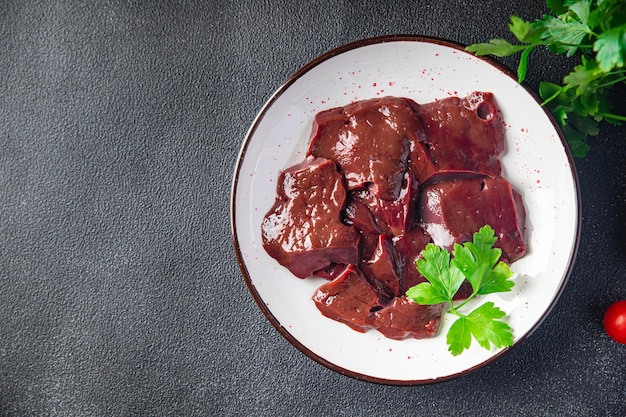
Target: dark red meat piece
404, 319
453, 211
360, 217
303, 230
408, 249
331, 272
382, 270
462, 135
348, 299
396, 216
370, 141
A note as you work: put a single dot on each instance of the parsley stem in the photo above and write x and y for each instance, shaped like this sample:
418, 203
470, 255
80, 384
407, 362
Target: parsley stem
613, 82
613, 116
455, 312
467, 300
555, 95
616, 72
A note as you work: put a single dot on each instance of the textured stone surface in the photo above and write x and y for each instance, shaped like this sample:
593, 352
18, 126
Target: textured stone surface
120, 294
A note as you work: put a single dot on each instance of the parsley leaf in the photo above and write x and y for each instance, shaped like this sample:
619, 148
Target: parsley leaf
564, 36
597, 29
484, 325
611, 48
443, 281
581, 9
497, 47
556, 6
479, 263
525, 31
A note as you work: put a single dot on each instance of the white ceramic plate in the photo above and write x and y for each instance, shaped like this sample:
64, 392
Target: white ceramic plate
536, 162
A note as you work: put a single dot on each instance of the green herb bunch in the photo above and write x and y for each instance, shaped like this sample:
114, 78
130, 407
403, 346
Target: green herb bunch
594, 31
479, 263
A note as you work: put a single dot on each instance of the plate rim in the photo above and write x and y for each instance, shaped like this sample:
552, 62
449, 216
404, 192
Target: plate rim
241, 156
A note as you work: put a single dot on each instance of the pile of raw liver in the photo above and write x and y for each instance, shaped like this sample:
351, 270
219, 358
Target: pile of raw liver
382, 178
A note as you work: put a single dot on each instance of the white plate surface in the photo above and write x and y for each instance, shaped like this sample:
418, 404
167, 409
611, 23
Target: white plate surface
536, 162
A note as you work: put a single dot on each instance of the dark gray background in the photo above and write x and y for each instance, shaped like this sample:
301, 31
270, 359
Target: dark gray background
120, 294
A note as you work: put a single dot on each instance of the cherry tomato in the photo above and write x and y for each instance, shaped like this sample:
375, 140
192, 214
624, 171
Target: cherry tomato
615, 321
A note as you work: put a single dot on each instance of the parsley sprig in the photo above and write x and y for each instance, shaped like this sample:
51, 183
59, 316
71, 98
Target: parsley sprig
479, 263
595, 31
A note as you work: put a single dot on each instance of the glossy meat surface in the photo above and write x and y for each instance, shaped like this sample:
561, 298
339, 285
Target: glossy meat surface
349, 299
462, 135
395, 217
404, 319
383, 268
303, 230
452, 211
408, 249
383, 178
370, 141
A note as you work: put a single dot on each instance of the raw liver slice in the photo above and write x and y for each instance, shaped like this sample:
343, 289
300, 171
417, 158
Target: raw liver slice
452, 211
394, 217
462, 135
370, 141
408, 249
303, 230
359, 216
404, 319
348, 299
382, 270
351, 300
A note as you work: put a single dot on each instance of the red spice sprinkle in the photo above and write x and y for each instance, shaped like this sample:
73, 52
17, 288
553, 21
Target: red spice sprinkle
391, 83
373, 84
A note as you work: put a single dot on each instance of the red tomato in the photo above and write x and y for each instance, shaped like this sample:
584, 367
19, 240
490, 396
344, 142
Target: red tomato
615, 321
